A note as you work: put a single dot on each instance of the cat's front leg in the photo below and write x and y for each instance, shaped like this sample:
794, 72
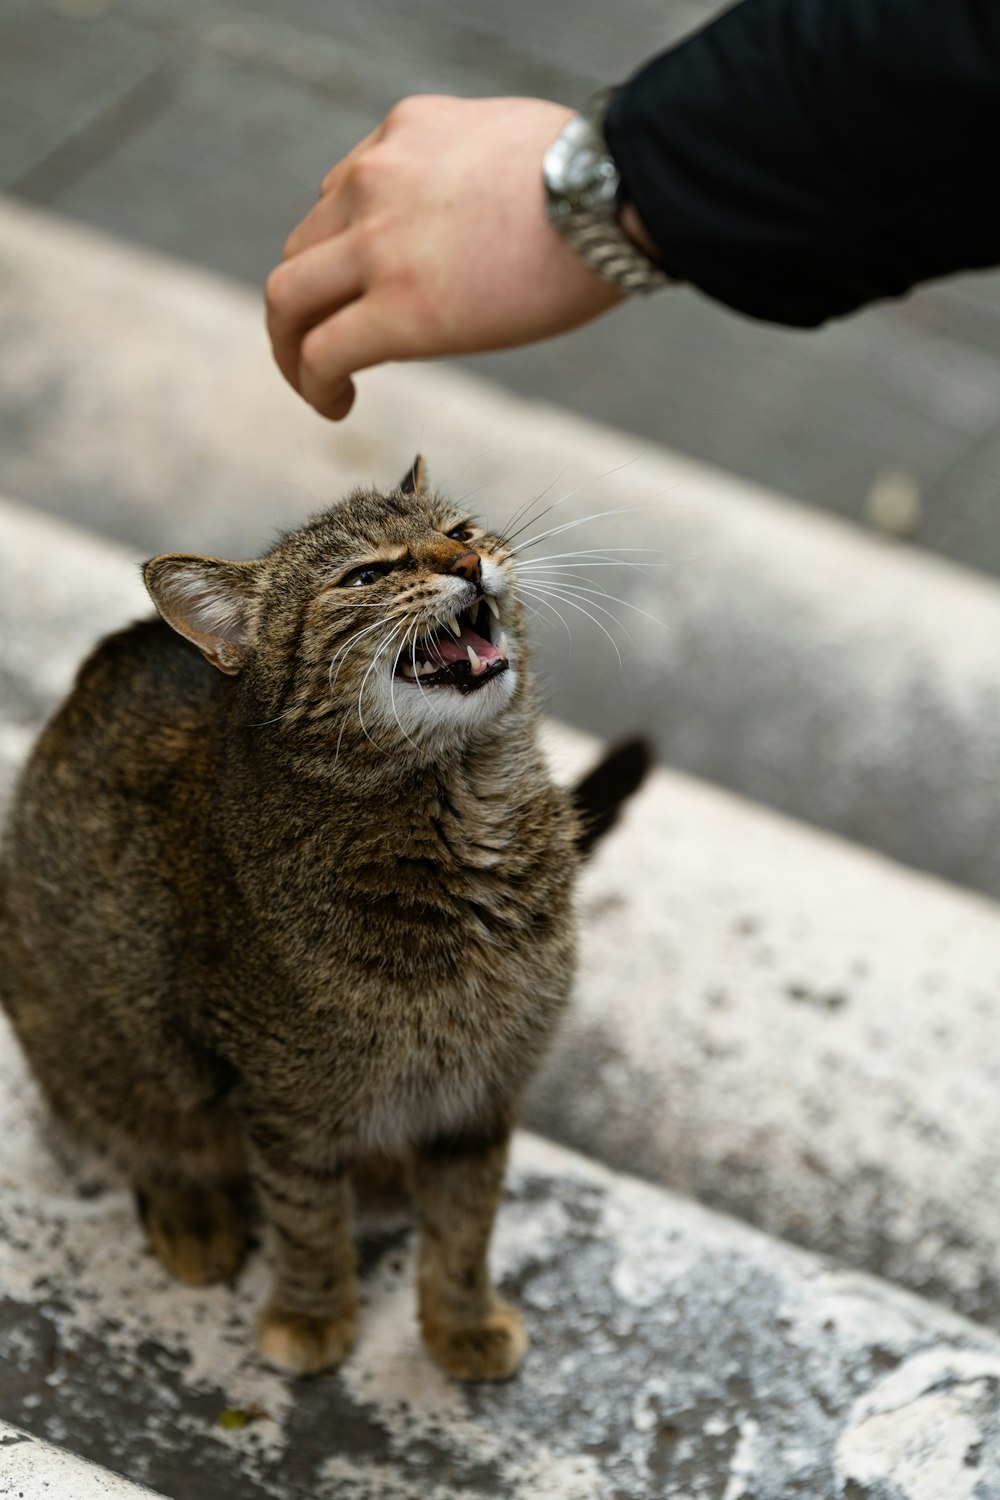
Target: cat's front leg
469, 1330
310, 1321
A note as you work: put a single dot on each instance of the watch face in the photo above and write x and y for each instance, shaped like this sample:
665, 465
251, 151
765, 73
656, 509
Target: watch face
577, 167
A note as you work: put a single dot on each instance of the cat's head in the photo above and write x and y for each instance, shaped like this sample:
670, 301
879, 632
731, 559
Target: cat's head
390, 616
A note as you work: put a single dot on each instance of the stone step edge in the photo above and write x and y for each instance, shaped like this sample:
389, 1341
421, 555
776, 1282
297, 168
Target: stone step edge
32, 1469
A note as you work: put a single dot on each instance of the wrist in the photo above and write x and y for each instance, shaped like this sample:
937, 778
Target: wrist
583, 196
636, 230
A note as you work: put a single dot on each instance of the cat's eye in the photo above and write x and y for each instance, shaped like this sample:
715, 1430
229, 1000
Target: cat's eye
359, 578
463, 533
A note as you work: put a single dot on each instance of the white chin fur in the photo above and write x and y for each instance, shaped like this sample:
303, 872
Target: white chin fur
428, 713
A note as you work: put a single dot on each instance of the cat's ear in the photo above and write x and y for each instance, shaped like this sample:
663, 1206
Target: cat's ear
414, 481
208, 601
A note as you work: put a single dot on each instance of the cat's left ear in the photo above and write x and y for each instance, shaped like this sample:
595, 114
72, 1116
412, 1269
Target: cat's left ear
414, 481
207, 601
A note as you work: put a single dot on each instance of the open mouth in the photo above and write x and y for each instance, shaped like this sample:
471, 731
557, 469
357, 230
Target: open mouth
460, 652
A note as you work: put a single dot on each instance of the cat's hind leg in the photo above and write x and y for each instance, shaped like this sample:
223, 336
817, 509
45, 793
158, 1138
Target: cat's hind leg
470, 1331
192, 1193
198, 1230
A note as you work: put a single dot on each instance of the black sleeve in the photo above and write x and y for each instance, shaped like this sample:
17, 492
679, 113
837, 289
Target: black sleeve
798, 158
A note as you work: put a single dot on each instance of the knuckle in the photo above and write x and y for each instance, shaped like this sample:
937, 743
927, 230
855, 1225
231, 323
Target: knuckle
404, 110
368, 171
312, 356
276, 288
415, 108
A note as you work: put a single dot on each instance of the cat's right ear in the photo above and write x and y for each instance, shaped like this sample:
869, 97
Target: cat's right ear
414, 481
206, 600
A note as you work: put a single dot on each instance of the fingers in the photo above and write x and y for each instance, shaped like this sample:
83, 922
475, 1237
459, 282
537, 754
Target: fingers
331, 213
359, 335
328, 217
340, 169
303, 290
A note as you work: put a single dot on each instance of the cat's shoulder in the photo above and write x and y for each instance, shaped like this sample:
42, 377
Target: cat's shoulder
140, 699
145, 661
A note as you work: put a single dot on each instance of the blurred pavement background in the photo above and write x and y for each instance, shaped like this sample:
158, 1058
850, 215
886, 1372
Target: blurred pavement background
203, 129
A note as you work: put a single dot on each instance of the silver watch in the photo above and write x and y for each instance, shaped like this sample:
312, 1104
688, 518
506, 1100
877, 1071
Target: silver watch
582, 189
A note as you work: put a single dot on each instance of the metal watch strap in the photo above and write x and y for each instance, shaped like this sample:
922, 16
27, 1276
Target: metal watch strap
608, 250
585, 211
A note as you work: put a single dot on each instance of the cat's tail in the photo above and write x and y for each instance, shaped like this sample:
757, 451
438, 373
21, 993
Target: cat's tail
598, 798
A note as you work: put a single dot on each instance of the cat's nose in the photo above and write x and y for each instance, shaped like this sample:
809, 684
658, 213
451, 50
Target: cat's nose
467, 566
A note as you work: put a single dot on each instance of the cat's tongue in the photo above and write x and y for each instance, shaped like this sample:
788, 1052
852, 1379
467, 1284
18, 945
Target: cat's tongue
448, 649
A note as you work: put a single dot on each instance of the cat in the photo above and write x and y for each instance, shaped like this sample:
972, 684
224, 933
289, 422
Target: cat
264, 924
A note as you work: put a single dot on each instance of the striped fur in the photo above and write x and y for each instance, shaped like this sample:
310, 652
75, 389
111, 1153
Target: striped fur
249, 936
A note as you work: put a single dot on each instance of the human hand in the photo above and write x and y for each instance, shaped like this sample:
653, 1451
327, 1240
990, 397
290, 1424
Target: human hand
431, 237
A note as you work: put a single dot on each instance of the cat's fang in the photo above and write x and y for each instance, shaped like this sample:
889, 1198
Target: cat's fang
453, 626
474, 661
492, 606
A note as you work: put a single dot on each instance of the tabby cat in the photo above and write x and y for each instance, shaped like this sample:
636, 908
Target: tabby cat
263, 925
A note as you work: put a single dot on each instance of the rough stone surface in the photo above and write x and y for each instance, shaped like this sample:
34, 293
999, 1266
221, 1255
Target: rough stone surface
33, 1470
676, 1355
837, 678
791, 1028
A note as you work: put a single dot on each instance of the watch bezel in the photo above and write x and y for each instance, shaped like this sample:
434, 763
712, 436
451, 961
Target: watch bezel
579, 171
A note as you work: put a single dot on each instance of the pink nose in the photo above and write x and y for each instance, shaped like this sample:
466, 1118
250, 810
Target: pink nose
466, 566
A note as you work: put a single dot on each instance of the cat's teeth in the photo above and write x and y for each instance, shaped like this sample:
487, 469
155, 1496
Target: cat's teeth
426, 668
492, 606
454, 626
407, 669
474, 661
502, 644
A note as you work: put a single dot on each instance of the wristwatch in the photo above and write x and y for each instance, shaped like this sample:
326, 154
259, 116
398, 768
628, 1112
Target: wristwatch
583, 194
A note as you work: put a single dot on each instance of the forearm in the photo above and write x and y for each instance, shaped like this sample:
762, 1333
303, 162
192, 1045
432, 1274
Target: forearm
797, 159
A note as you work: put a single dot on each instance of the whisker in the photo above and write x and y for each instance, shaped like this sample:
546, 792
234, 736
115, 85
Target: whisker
549, 605
582, 588
469, 493
529, 503
413, 658
575, 604
452, 477
580, 521
351, 641
346, 717
392, 688
596, 480
599, 557
364, 681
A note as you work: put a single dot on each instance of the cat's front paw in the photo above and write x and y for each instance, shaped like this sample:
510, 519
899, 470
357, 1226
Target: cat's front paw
301, 1345
198, 1232
491, 1348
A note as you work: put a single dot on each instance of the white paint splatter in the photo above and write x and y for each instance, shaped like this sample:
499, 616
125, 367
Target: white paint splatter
918, 1427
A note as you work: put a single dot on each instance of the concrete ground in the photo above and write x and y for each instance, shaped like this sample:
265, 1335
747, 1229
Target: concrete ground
203, 129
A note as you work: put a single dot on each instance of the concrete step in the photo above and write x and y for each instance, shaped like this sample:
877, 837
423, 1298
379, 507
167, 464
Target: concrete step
834, 677
789, 1028
676, 1354
34, 1470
